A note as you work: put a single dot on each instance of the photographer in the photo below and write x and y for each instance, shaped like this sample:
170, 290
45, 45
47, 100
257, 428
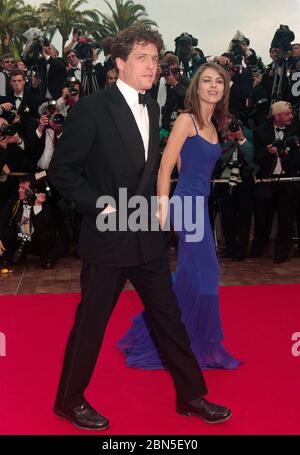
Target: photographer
45, 132
171, 90
241, 84
235, 196
15, 157
52, 72
23, 105
26, 226
277, 154
70, 96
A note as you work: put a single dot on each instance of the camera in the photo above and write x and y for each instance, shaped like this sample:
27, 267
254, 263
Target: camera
58, 119
283, 145
7, 130
167, 71
235, 125
71, 85
40, 185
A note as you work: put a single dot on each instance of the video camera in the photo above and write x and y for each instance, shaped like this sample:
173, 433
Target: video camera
184, 49
282, 40
36, 41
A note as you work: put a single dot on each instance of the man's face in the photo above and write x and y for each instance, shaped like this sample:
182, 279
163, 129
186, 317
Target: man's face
8, 64
23, 186
285, 118
72, 60
139, 69
274, 54
17, 83
296, 50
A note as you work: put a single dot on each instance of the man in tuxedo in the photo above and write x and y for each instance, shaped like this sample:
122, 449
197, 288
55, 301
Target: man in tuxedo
110, 141
21, 101
52, 70
276, 160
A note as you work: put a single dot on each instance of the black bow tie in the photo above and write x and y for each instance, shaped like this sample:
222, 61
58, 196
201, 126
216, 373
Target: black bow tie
280, 129
18, 98
144, 98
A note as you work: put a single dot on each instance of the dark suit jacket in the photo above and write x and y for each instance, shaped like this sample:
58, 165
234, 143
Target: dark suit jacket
55, 78
100, 151
265, 135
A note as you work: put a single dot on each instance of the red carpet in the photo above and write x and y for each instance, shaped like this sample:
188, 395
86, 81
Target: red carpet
263, 394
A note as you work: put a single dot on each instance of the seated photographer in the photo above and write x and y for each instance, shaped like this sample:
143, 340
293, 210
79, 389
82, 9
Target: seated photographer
235, 197
277, 154
70, 96
26, 225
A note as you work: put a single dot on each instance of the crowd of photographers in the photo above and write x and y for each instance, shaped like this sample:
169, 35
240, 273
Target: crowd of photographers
255, 178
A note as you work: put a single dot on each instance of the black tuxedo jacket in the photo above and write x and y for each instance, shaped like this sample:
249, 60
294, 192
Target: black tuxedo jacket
100, 151
55, 78
265, 135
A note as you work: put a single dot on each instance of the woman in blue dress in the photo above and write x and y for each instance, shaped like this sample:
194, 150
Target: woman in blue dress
193, 144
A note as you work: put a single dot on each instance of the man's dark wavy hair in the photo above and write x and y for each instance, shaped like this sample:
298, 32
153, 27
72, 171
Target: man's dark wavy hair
138, 33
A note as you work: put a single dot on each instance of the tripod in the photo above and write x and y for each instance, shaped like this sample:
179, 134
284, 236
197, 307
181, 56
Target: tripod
280, 71
89, 82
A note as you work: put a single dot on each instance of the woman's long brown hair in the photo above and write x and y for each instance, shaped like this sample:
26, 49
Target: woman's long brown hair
193, 102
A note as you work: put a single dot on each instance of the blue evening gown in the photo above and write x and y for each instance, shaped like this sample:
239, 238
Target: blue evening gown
196, 279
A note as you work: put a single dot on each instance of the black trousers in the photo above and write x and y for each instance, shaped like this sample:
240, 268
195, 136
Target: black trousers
280, 198
236, 213
101, 287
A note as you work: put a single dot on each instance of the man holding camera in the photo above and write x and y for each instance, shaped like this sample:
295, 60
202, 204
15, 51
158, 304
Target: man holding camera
69, 97
15, 157
53, 72
170, 89
26, 226
236, 197
45, 132
277, 155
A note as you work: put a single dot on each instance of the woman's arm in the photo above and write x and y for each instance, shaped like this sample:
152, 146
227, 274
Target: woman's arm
181, 130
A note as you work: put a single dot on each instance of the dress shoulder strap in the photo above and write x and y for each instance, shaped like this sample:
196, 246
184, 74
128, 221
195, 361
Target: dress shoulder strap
193, 120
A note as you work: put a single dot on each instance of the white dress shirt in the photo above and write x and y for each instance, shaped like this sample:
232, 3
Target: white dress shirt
278, 167
140, 112
44, 161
